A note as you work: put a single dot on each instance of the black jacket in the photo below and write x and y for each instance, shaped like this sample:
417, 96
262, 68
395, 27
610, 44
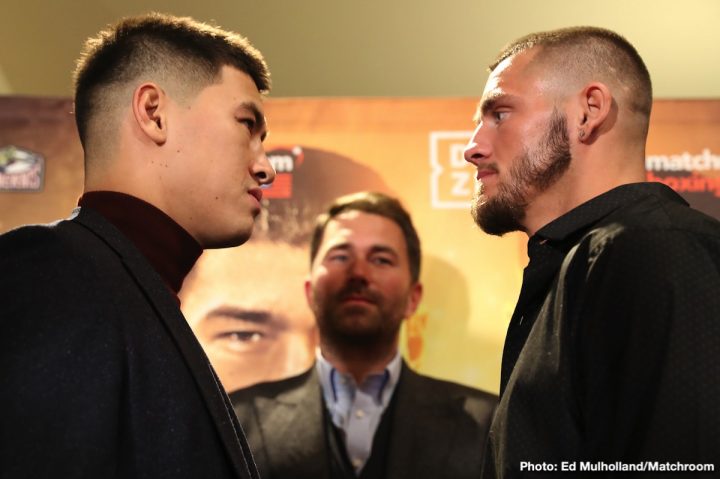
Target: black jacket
101, 375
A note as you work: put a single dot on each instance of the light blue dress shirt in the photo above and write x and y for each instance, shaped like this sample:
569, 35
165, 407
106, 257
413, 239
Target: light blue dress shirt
357, 409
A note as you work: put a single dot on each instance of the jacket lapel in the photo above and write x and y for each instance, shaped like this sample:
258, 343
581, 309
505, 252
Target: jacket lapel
422, 427
292, 425
168, 311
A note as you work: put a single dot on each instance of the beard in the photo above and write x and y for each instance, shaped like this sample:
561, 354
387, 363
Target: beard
359, 325
533, 172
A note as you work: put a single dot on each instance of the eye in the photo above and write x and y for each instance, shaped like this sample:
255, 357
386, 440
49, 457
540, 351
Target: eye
382, 260
240, 340
339, 257
246, 336
249, 122
500, 115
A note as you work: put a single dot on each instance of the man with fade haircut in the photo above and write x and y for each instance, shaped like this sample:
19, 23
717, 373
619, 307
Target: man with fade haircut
102, 377
359, 411
611, 356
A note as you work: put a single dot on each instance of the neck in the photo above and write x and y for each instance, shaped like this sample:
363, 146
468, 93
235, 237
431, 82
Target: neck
129, 175
359, 362
590, 174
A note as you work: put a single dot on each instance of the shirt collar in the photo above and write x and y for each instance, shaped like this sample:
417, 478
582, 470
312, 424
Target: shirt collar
170, 249
592, 211
381, 384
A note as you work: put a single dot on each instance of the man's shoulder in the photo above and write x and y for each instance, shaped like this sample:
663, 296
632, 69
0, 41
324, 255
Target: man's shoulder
42, 244
464, 406
435, 388
34, 233
658, 213
59, 248
651, 226
654, 240
275, 389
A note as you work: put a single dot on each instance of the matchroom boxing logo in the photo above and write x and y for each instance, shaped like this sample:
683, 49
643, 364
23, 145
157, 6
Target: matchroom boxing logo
696, 176
686, 173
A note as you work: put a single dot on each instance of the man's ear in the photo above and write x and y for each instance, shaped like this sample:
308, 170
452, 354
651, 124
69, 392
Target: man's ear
596, 102
308, 292
414, 298
149, 105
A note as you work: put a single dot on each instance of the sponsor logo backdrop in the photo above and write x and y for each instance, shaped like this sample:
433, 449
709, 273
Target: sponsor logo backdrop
415, 146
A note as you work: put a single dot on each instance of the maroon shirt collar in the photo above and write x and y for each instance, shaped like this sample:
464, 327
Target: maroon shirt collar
170, 249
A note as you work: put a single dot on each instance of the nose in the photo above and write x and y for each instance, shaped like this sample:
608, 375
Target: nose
359, 269
478, 146
262, 170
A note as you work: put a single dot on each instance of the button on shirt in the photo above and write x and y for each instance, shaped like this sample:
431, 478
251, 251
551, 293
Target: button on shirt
357, 409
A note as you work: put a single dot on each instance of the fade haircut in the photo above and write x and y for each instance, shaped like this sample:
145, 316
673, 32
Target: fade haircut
155, 47
590, 53
378, 204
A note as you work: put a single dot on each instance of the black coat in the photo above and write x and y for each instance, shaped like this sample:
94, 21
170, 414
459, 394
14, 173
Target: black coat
438, 429
100, 374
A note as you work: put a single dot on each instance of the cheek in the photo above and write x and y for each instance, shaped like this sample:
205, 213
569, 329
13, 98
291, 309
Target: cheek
323, 280
394, 288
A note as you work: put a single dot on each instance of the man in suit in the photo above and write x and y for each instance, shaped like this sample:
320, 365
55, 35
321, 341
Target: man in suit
101, 375
360, 411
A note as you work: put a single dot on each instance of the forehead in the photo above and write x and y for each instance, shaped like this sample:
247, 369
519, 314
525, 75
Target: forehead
254, 262
257, 273
516, 75
360, 229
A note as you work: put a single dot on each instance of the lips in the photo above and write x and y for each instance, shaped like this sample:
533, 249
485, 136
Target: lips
357, 298
485, 173
256, 193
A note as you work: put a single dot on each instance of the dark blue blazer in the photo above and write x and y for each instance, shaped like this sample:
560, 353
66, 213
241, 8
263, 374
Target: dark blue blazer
100, 374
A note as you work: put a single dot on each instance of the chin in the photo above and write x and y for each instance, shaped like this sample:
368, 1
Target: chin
229, 240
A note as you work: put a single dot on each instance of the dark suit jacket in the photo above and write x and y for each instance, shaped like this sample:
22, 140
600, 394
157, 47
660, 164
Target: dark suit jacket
438, 429
101, 375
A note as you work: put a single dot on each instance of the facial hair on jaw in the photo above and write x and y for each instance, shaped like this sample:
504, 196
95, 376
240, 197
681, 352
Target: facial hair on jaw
352, 327
533, 172
337, 323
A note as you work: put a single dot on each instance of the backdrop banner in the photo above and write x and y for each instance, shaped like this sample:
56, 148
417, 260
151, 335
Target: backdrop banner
411, 148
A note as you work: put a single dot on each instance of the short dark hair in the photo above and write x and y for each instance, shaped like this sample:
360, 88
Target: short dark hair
591, 51
377, 204
159, 45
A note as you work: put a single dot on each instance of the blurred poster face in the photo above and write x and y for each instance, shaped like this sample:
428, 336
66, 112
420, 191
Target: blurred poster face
248, 310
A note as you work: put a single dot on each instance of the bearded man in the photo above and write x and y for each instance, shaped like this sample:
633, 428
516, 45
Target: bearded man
360, 411
611, 356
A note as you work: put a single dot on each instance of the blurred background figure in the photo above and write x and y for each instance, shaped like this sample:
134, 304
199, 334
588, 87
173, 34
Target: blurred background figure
360, 411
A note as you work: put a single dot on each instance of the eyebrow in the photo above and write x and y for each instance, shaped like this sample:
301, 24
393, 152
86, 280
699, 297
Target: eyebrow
383, 249
379, 248
488, 104
241, 314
